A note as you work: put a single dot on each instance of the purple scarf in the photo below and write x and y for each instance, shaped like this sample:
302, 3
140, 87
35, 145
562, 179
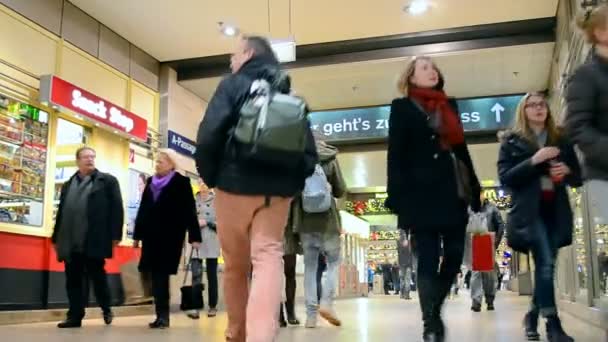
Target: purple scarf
158, 184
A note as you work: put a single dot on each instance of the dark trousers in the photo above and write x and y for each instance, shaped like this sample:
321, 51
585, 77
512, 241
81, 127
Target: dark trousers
160, 291
78, 270
435, 280
289, 265
197, 278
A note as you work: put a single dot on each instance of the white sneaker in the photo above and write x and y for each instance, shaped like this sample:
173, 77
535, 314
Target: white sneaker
311, 322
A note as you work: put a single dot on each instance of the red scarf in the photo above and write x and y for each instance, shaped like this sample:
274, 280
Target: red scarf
436, 101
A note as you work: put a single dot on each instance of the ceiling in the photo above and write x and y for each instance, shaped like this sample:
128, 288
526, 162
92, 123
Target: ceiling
180, 29
504, 70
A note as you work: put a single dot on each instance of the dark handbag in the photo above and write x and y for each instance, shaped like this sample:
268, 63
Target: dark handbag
192, 295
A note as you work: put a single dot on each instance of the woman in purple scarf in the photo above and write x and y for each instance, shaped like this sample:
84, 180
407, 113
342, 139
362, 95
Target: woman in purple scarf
166, 212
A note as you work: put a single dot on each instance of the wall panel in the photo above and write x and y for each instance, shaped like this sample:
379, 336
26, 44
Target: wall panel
85, 72
25, 46
143, 102
46, 13
114, 50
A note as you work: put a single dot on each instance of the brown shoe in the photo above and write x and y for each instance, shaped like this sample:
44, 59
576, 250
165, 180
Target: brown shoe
330, 316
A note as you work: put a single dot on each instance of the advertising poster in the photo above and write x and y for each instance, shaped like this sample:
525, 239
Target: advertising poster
137, 184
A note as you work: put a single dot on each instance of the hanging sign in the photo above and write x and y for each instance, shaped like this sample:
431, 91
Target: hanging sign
62, 94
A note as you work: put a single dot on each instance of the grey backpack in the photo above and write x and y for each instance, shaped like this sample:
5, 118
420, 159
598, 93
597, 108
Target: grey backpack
272, 126
316, 197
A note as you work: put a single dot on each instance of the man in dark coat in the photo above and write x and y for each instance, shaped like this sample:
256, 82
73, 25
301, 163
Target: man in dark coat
88, 226
252, 198
404, 252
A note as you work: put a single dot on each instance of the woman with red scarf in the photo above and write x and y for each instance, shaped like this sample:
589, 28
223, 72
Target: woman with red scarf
431, 183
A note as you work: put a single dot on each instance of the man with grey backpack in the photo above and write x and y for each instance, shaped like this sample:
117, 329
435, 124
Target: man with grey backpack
256, 149
317, 220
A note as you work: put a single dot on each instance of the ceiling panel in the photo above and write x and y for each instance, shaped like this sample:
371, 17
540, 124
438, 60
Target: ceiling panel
352, 19
180, 29
504, 70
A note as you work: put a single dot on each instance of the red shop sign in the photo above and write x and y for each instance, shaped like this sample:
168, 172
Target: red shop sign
61, 93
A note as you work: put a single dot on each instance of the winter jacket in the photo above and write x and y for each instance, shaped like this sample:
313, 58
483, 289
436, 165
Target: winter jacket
217, 153
161, 225
404, 252
421, 185
210, 247
105, 215
587, 115
328, 222
523, 182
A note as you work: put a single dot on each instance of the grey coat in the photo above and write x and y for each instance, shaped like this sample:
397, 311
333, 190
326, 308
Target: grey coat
587, 116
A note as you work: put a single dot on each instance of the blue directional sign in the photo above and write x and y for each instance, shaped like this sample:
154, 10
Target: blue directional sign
487, 114
181, 144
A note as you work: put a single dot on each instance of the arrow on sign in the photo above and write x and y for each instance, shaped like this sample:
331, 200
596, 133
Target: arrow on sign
498, 109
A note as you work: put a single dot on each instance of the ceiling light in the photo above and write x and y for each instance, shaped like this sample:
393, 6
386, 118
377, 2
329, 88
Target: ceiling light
228, 30
417, 7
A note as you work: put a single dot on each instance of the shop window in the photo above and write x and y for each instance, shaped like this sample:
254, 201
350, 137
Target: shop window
70, 137
23, 154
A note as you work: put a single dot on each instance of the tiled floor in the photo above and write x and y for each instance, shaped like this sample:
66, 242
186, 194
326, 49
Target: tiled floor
366, 319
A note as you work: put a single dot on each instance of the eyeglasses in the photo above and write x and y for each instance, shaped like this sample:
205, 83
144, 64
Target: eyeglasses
536, 105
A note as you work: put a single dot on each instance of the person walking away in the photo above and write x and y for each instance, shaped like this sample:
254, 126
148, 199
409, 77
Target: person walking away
396, 277
387, 277
484, 283
320, 233
536, 164
292, 247
209, 250
431, 182
252, 196
89, 225
404, 252
166, 213
370, 278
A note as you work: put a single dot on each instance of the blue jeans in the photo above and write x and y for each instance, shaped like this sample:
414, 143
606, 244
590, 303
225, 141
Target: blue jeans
544, 253
314, 244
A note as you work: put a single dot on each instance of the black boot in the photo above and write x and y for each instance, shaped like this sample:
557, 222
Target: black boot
291, 314
531, 326
282, 322
555, 332
490, 303
476, 306
70, 324
160, 323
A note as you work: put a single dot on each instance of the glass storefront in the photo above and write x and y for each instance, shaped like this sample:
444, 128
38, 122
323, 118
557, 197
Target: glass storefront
24, 135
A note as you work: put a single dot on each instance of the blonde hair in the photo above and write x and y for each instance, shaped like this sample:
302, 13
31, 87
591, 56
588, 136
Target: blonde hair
591, 20
171, 155
522, 126
405, 79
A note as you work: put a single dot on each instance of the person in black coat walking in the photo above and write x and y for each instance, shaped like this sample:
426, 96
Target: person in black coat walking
431, 182
88, 226
587, 98
536, 164
166, 213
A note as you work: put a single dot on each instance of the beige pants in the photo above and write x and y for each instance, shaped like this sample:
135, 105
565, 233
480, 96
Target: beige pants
250, 230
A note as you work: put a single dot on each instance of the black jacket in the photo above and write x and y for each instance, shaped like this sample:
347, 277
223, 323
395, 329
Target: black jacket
161, 226
217, 157
587, 115
523, 181
105, 214
421, 185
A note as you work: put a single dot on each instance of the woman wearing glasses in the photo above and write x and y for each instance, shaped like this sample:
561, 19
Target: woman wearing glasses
536, 164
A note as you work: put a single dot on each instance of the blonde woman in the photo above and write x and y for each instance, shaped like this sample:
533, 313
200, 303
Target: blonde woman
537, 164
167, 211
431, 181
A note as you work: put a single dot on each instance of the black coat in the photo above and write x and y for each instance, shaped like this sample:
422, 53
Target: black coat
217, 156
162, 225
587, 116
422, 188
523, 181
105, 214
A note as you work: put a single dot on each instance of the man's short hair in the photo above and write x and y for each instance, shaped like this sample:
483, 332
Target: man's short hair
261, 46
82, 149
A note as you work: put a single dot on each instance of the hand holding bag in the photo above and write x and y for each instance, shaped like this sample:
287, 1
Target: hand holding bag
478, 223
192, 295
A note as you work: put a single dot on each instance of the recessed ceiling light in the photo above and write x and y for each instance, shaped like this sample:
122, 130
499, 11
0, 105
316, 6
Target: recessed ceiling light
417, 7
228, 30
